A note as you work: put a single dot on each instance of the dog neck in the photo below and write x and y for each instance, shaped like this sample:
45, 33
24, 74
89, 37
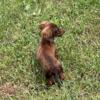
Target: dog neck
47, 41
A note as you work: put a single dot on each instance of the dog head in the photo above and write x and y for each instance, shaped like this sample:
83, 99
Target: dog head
50, 30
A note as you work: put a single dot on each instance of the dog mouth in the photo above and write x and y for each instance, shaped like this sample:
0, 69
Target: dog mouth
59, 35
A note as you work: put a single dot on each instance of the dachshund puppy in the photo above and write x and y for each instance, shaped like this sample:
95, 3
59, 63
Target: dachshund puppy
46, 52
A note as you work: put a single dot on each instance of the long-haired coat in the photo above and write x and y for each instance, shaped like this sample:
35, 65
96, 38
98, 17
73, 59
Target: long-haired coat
46, 52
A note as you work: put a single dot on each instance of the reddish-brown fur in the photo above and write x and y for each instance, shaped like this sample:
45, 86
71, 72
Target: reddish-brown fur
46, 51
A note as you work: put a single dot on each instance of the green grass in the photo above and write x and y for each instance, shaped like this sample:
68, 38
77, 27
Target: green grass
78, 49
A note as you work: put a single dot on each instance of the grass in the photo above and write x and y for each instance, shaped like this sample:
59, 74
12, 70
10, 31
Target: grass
78, 49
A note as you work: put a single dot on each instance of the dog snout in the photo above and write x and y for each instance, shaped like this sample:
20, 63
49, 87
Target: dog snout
62, 31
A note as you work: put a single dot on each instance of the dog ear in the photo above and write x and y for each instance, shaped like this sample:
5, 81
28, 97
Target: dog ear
43, 25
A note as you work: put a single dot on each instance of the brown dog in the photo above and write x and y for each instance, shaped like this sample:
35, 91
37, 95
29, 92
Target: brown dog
46, 52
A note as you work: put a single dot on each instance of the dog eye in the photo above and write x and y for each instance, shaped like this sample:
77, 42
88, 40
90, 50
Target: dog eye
56, 30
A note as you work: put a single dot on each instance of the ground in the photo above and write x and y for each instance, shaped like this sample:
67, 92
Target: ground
79, 49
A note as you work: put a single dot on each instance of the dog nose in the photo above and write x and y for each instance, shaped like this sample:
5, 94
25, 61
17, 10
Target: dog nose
62, 31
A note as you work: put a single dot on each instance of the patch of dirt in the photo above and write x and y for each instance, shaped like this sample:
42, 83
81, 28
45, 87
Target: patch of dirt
8, 89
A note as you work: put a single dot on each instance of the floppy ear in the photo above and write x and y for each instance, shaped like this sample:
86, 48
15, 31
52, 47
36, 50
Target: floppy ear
43, 25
